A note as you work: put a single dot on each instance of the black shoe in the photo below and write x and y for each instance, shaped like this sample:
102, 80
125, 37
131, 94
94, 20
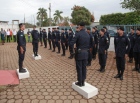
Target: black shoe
53, 51
58, 52
50, 49
99, 69
36, 55
135, 69
83, 83
114, 58
121, 77
89, 64
45, 47
22, 71
102, 70
78, 84
63, 55
117, 76
139, 70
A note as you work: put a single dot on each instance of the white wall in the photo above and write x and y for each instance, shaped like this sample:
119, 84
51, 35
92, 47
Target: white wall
9, 26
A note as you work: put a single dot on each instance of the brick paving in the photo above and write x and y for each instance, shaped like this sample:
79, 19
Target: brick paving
51, 79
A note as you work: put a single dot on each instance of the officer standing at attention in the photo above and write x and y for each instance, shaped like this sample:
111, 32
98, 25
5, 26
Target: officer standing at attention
82, 42
63, 41
91, 44
95, 47
70, 47
57, 39
45, 38
53, 38
50, 38
131, 37
35, 37
21, 47
102, 51
40, 36
136, 50
66, 33
122, 47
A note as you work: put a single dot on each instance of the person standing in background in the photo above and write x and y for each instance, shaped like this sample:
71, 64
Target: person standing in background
8, 35
29, 35
50, 38
15, 35
3, 35
11, 34
40, 36
45, 38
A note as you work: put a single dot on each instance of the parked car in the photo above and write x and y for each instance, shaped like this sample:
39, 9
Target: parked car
112, 33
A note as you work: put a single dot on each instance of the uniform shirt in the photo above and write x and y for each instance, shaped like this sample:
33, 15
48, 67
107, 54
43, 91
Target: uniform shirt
103, 44
35, 36
49, 35
44, 35
57, 36
122, 45
53, 35
107, 35
82, 40
70, 37
41, 34
63, 38
66, 33
95, 35
21, 41
131, 38
136, 43
91, 43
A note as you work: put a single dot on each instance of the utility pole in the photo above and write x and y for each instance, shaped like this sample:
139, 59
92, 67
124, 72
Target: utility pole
34, 19
50, 14
24, 18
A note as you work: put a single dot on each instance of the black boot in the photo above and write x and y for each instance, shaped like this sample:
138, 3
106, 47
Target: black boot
117, 76
121, 77
63, 55
102, 69
99, 69
53, 51
79, 84
71, 56
22, 70
138, 70
83, 83
89, 64
36, 54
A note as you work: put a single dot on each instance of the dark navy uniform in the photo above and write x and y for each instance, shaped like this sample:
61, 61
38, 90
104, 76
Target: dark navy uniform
50, 39
103, 46
40, 36
82, 42
95, 47
21, 41
53, 39
66, 33
131, 38
57, 40
63, 42
70, 47
136, 51
122, 47
45, 38
35, 37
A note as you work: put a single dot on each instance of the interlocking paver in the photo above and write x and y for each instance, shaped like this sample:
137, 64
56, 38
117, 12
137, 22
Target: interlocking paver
51, 79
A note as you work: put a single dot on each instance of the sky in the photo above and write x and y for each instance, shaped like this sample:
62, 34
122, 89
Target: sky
15, 9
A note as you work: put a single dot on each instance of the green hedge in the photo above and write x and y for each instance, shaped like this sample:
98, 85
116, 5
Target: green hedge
120, 19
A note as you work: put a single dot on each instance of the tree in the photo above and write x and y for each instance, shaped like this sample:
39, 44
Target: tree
66, 21
81, 14
28, 25
41, 15
57, 16
131, 5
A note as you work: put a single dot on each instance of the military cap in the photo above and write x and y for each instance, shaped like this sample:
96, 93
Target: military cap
121, 28
88, 28
82, 24
138, 29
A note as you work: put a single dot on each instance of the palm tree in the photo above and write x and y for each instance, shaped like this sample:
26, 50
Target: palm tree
41, 15
57, 16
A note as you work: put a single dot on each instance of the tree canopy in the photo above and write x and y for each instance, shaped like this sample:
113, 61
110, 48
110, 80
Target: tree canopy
57, 16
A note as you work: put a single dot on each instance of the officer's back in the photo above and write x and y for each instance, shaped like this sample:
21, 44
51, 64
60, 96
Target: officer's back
35, 35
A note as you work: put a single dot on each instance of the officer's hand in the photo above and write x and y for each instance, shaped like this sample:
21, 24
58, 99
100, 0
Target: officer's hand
105, 51
126, 55
21, 50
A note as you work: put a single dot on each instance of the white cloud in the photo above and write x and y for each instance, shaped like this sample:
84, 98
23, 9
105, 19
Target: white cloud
15, 9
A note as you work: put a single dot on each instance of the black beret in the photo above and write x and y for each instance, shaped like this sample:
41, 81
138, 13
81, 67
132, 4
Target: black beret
121, 28
62, 29
88, 28
105, 27
70, 29
138, 29
65, 28
82, 24
103, 30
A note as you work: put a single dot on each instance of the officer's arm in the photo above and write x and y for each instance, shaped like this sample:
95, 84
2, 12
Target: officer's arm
107, 44
96, 39
91, 42
74, 40
20, 37
115, 43
128, 45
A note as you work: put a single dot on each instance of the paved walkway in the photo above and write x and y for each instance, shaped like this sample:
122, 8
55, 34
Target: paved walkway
52, 77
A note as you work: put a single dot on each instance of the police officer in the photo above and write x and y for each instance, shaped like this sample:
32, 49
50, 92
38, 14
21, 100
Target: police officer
77, 30
107, 33
53, 38
102, 51
40, 36
66, 33
35, 37
70, 47
91, 44
63, 41
57, 39
95, 47
82, 41
45, 38
50, 38
131, 37
97, 32
136, 50
21, 47
122, 47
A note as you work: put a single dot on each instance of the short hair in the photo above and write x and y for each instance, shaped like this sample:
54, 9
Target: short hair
57, 27
77, 27
103, 30
82, 24
138, 29
105, 27
70, 29
88, 28
20, 25
94, 28
121, 28
132, 28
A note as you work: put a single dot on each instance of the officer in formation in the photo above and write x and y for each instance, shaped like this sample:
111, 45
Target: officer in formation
66, 33
82, 42
21, 47
91, 45
102, 50
131, 37
53, 38
63, 41
71, 48
57, 39
122, 47
50, 38
35, 37
95, 47
40, 36
45, 38
136, 50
